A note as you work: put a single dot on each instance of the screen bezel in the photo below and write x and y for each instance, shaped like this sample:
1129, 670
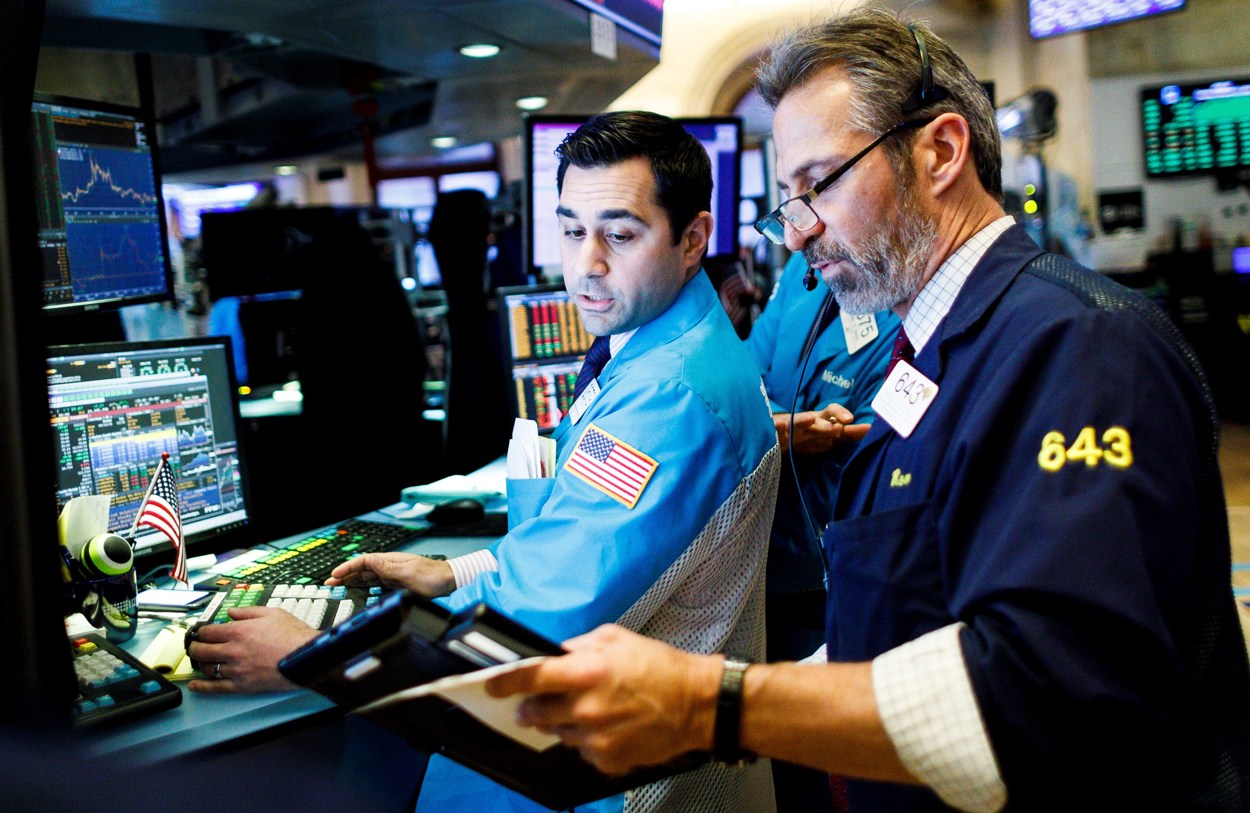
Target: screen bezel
505, 335
233, 534
149, 122
1187, 89
531, 121
1107, 24
529, 124
732, 224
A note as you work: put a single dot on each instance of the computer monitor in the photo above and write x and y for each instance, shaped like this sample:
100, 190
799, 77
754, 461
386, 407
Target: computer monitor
644, 18
98, 196
721, 136
116, 407
1050, 18
1200, 128
192, 200
545, 347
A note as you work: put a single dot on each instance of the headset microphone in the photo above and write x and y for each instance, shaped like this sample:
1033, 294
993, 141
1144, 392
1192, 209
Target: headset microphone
809, 279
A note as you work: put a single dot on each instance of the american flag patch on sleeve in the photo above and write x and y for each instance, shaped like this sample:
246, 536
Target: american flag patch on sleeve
612, 466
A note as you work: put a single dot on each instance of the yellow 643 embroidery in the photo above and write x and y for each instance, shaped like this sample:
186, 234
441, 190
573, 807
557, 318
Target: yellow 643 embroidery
1116, 449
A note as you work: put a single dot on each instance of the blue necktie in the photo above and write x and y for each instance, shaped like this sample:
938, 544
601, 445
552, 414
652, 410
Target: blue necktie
598, 355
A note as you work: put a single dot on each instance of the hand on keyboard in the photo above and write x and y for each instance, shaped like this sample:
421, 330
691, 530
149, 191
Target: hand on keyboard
428, 577
243, 656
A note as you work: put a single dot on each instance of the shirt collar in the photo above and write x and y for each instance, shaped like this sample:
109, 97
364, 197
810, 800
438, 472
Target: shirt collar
938, 295
617, 340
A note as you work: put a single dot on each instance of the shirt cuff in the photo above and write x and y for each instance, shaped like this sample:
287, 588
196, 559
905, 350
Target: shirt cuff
819, 656
468, 567
931, 715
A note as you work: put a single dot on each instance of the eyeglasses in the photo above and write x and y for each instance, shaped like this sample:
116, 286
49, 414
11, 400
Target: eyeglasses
798, 211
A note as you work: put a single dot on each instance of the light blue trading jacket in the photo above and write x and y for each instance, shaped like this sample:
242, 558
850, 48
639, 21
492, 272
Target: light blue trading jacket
833, 375
685, 564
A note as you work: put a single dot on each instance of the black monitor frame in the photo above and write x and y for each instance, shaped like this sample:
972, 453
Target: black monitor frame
38, 684
235, 533
1185, 90
147, 121
570, 361
1034, 14
727, 221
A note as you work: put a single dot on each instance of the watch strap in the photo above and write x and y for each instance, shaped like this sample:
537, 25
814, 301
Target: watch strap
726, 731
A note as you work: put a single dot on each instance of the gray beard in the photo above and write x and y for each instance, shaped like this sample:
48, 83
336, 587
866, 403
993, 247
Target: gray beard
887, 269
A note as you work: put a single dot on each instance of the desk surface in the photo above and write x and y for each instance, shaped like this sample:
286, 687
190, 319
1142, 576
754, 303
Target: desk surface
204, 721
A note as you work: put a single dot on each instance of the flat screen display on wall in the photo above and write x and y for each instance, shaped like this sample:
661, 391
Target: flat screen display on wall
1196, 128
643, 17
1050, 18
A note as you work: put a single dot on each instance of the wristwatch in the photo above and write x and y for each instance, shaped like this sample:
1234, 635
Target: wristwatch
725, 732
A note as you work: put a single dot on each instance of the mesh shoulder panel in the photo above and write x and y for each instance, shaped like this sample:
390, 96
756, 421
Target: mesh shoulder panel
712, 600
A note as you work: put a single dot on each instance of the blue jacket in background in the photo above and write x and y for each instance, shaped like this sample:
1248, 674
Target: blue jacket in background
795, 562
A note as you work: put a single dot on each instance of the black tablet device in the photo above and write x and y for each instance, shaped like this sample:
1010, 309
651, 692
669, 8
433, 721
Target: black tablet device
406, 640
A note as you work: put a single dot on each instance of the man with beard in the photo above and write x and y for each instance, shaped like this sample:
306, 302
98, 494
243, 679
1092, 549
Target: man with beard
1029, 557
657, 516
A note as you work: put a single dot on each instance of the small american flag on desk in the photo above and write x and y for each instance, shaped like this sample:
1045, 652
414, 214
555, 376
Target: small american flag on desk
612, 466
159, 510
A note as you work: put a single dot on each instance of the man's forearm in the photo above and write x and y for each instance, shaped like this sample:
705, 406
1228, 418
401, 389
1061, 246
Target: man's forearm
822, 716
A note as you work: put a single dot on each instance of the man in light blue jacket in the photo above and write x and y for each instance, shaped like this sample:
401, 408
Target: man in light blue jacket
658, 515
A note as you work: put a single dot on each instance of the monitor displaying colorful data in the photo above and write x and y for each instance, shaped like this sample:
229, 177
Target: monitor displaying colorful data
101, 214
1196, 128
1050, 18
546, 345
116, 407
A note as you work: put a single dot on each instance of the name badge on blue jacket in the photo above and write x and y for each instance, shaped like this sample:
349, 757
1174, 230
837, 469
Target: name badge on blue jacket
859, 330
583, 402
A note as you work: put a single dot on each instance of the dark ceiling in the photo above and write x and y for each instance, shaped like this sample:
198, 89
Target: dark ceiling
289, 74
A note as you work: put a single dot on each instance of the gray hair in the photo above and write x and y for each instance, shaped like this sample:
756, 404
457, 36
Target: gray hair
874, 50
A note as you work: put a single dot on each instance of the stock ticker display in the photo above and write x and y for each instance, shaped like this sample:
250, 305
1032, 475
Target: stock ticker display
99, 208
114, 413
1189, 129
548, 345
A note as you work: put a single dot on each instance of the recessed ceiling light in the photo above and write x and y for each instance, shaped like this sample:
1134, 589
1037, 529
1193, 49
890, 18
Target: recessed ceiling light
532, 102
479, 50
443, 142
286, 169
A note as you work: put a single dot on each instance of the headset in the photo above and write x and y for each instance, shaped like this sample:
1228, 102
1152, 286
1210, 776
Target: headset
924, 94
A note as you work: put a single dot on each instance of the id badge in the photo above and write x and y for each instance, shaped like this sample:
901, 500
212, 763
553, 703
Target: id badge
584, 401
904, 398
859, 330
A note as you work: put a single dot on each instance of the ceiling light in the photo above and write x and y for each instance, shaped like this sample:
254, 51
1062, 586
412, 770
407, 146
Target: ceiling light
443, 142
532, 102
286, 169
479, 50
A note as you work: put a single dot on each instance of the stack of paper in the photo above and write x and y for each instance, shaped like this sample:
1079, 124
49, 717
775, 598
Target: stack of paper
529, 454
167, 654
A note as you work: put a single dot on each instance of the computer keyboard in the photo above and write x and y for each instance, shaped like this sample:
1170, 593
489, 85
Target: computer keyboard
113, 685
310, 560
317, 605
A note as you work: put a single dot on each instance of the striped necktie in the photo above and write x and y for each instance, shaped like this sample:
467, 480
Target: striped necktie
598, 355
